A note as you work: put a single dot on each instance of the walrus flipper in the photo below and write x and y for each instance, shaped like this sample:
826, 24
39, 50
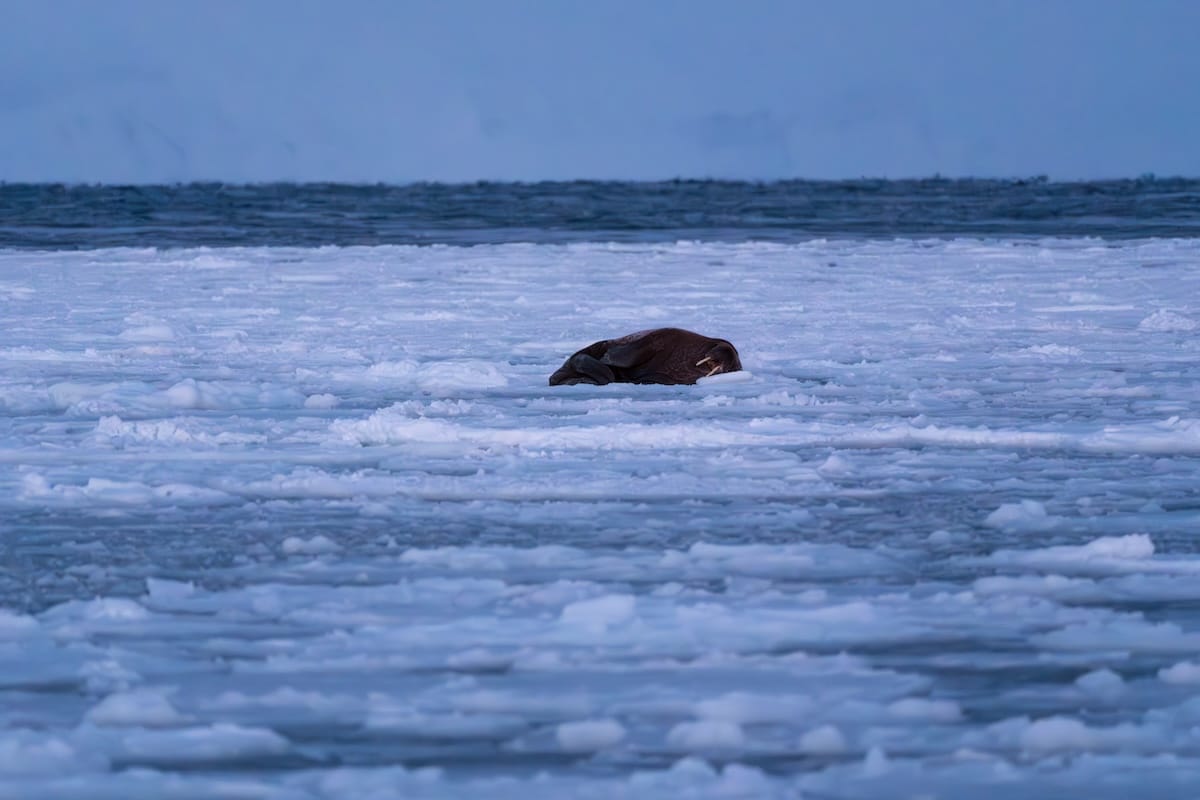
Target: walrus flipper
595, 371
628, 355
582, 368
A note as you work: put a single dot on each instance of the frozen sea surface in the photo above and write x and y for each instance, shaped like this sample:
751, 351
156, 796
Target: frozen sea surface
309, 523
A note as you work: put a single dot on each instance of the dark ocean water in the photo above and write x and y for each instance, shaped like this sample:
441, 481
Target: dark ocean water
55, 216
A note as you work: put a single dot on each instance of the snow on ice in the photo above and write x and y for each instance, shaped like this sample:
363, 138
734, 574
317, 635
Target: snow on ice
286, 523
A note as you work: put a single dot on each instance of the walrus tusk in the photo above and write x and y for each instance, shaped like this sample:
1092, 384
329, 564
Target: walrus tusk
712, 371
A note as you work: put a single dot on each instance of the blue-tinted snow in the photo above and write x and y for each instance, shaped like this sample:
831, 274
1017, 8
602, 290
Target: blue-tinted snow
290, 523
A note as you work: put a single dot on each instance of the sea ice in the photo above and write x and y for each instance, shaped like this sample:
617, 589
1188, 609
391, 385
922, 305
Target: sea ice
286, 523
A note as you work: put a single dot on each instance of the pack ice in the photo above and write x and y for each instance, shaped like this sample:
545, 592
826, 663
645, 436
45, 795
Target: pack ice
308, 524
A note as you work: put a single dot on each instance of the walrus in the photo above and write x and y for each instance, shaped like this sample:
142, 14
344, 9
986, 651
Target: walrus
662, 355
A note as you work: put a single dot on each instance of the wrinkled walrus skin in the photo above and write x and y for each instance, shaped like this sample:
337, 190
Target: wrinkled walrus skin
662, 355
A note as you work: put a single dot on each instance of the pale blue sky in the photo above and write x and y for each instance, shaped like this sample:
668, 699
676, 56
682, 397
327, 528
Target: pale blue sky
252, 90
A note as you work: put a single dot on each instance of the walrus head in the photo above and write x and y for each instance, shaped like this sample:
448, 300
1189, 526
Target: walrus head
723, 357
